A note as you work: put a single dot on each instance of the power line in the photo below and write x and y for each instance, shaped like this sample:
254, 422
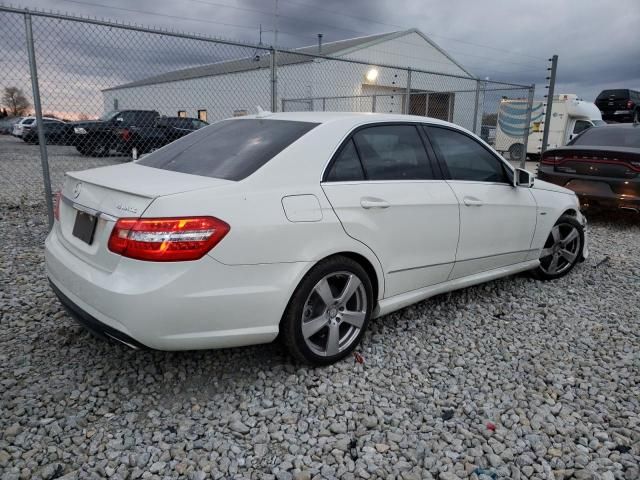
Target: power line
175, 17
371, 20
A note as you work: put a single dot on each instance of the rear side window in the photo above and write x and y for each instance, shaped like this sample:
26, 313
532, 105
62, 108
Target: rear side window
28, 121
609, 137
393, 152
347, 166
230, 149
465, 158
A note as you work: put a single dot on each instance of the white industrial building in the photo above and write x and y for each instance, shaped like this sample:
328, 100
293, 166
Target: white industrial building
232, 87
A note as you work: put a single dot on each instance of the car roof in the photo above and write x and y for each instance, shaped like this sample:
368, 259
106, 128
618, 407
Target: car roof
355, 118
620, 125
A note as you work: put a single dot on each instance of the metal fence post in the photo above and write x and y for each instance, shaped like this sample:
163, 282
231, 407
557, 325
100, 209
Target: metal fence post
475, 108
324, 104
407, 96
274, 80
549, 107
38, 108
527, 127
373, 103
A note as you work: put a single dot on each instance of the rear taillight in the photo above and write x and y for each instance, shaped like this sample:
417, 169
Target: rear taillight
630, 104
125, 134
166, 239
56, 205
551, 159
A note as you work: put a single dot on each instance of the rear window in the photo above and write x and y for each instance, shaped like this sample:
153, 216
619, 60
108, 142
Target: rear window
614, 94
28, 121
231, 149
609, 137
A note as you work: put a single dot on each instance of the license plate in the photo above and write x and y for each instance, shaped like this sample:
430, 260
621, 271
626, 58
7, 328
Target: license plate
84, 227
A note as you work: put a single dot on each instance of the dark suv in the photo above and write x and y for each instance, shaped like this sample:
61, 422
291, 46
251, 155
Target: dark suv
620, 105
177, 127
121, 131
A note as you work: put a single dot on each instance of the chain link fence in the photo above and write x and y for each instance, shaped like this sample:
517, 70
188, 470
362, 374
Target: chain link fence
104, 93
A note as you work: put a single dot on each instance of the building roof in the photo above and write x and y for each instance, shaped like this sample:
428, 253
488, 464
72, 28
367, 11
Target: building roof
296, 56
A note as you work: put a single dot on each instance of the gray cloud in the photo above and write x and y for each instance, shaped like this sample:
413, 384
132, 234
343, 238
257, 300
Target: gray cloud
597, 42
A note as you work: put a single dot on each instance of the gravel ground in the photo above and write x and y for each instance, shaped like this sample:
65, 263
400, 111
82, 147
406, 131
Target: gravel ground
512, 379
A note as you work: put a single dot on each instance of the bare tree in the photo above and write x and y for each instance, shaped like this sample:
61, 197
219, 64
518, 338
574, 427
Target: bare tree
15, 101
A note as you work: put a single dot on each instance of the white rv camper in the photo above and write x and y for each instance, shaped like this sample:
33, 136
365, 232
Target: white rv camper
569, 116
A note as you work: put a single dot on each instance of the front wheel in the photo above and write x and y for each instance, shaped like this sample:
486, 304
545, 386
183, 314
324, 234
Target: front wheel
329, 312
562, 250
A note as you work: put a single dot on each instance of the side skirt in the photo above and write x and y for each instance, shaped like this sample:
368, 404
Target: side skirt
391, 304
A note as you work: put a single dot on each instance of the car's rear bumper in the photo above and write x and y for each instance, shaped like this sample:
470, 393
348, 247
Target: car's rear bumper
92, 324
174, 305
598, 192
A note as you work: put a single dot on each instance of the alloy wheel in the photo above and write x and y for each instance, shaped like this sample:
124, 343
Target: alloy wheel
334, 313
561, 250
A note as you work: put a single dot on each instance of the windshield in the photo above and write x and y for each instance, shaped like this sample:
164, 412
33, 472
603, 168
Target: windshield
230, 149
614, 94
609, 137
109, 115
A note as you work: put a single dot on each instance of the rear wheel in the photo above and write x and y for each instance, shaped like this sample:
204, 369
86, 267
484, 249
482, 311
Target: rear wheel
329, 312
562, 250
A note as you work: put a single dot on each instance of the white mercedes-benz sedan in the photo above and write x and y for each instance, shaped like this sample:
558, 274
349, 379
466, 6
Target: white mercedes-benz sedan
303, 225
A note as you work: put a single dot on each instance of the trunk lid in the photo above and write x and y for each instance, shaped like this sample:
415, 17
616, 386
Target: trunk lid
113, 192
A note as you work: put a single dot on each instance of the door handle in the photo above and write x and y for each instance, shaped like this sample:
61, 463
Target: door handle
368, 202
472, 202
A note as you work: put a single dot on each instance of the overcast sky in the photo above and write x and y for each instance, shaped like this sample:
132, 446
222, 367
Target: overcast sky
598, 41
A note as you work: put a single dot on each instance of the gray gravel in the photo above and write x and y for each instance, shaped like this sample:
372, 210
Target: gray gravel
555, 367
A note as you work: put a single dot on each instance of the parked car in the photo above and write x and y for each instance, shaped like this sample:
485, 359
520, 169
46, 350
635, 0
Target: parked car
619, 105
6, 125
119, 131
177, 127
305, 225
55, 131
602, 165
27, 122
18, 126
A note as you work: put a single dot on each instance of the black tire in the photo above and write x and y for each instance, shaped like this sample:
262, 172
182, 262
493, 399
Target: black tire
305, 299
516, 151
83, 150
99, 149
565, 254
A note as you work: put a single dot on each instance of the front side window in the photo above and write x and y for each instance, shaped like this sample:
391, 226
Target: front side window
581, 125
393, 152
465, 158
230, 149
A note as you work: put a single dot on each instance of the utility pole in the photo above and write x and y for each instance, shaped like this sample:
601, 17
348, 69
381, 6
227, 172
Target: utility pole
549, 102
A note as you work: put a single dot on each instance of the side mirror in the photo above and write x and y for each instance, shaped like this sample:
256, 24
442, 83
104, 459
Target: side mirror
523, 178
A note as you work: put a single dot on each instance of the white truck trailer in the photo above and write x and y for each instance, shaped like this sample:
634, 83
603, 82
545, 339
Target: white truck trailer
569, 116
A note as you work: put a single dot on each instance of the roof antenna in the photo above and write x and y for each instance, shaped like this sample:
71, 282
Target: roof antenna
320, 35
